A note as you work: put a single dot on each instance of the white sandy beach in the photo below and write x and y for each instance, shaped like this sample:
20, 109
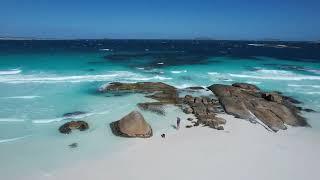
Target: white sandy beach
241, 151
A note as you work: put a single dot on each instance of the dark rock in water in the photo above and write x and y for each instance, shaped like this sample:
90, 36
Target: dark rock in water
196, 124
189, 126
248, 102
291, 100
190, 119
155, 107
220, 128
132, 125
308, 110
73, 145
162, 92
195, 88
69, 126
75, 113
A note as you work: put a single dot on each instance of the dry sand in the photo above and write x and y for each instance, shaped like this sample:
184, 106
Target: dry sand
242, 151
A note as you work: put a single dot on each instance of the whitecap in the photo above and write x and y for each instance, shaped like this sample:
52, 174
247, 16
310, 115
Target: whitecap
40, 78
183, 86
178, 72
157, 77
311, 93
160, 63
256, 45
10, 72
11, 120
275, 75
104, 49
45, 121
213, 73
21, 97
303, 85
13, 139
253, 82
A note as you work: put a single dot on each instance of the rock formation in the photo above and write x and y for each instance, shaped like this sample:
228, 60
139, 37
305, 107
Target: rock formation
205, 110
69, 126
132, 125
247, 101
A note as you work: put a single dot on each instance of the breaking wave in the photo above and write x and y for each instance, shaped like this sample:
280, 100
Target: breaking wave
301, 85
10, 72
111, 76
178, 72
275, 75
22, 97
11, 120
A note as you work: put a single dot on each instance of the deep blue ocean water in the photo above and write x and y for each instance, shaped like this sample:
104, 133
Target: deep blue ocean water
42, 80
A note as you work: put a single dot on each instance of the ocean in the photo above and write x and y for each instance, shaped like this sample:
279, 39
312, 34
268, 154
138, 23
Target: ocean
42, 80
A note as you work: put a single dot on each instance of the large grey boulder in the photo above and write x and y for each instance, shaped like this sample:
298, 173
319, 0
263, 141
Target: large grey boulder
132, 125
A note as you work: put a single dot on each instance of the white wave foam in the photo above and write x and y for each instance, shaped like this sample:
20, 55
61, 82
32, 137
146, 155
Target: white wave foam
104, 49
45, 121
301, 85
213, 73
253, 82
157, 77
178, 72
311, 93
112, 76
11, 120
21, 97
10, 72
316, 71
160, 63
13, 139
183, 86
275, 75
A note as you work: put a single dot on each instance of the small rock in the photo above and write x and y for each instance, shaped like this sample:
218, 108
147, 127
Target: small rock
308, 110
189, 126
188, 110
196, 124
73, 145
190, 119
220, 128
75, 113
69, 126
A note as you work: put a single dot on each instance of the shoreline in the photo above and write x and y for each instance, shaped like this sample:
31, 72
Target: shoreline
242, 151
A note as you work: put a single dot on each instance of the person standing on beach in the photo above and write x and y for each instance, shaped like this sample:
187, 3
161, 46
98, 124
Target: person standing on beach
178, 122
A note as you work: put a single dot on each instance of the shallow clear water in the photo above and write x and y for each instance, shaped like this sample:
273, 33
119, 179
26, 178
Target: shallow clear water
38, 85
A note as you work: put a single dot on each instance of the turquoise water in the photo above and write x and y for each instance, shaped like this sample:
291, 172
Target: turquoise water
37, 88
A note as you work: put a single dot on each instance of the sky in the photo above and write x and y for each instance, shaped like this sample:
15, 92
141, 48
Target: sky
161, 19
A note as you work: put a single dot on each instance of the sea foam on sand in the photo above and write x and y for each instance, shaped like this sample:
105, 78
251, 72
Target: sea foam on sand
241, 151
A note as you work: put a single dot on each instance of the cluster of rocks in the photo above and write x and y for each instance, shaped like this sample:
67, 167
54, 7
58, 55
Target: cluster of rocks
205, 110
247, 101
72, 125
